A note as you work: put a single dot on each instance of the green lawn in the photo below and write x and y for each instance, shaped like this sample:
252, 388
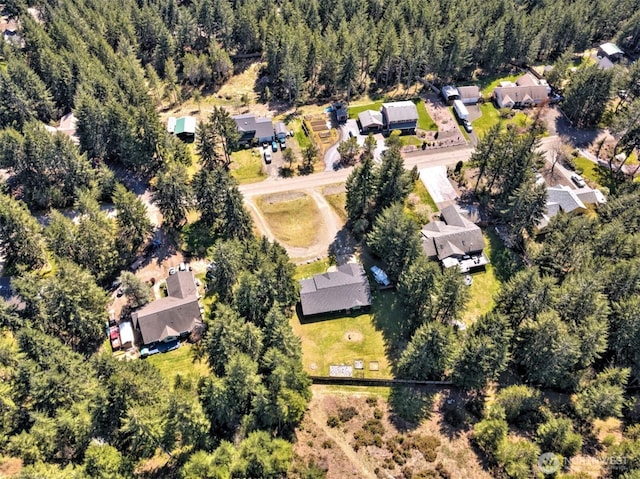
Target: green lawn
422, 210
410, 140
177, 362
425, 122
588, 169
342, 340
293, 221
491, 116
485, 284
302, 139
490, 83
247, 166
354, 111
307, 270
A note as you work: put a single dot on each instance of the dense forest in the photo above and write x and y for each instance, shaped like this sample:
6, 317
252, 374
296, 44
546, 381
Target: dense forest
70, 411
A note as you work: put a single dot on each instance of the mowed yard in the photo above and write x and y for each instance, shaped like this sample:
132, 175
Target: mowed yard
293, 218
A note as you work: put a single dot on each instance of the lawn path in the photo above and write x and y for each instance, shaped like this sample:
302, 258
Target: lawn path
317, 414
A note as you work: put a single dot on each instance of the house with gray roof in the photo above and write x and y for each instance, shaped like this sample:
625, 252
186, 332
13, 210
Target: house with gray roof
400, 115
370, 121
454, 241
254, 129
173, 317
344, 290
564, 199
525, 92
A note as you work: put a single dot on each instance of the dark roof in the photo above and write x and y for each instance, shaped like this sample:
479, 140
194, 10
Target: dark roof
171, 316
454, 236
181, 285
400, 112
251, 126
343, 289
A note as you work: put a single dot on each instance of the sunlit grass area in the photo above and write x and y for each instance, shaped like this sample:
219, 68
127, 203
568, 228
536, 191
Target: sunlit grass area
247, 166
179, 361
294, 221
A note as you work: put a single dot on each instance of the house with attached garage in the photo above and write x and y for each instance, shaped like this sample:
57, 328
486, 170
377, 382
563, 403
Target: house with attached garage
344, 290
454, 241
527, 91
173, 317
567, 200
254, 130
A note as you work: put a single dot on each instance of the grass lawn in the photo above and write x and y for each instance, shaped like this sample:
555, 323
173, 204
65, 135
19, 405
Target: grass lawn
589, 169
302, 139
491, 116
327, 343
485, 284
490, 83
425, 122
293, 221
246, 166
354, 111
337, 202
410, 140
179, 361
307, 270
422, 210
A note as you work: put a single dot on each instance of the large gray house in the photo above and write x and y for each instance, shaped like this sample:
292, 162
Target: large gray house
254, 129
344, 290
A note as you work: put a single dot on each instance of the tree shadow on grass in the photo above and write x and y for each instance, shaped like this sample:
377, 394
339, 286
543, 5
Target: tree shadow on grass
387, 316
410, 406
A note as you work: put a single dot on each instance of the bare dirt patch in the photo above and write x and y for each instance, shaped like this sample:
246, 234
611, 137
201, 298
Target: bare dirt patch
334, 189
353, 336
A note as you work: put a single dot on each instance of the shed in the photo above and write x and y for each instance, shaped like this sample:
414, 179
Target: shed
281, 130
126, 334
611, 51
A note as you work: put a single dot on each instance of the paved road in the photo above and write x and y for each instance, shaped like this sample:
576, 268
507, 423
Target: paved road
418, 158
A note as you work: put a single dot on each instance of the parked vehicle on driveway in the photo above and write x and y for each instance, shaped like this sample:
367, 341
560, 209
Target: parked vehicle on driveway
380, 276
267, 157
274, 146
578, 180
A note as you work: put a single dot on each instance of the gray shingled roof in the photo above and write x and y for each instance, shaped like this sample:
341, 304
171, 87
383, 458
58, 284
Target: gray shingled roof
400, 111
370, 118
454, 236
343, 289
261, 127
181, 285
470, 91
172, 316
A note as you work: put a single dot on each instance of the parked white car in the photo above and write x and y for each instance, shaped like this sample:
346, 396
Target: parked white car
578, 180
380, 276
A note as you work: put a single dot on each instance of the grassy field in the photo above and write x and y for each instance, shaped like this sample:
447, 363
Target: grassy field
179, 361
307, 270
293, 221
491, 116
302, 139
354, 111
490, 83
425, 122
342, 341
588, 169
337, 202
247, 166
487, 283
